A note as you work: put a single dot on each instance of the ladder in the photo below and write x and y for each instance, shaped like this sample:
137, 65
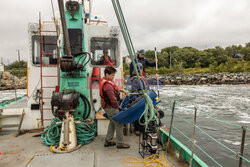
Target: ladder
43, 32
16, 125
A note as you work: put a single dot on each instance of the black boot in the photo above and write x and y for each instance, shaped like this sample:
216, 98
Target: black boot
109, 143
123, 146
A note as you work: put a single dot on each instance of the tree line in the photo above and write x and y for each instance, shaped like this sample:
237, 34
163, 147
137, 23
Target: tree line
191, 60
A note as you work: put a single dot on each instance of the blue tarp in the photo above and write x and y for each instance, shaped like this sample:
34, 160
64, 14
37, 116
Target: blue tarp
132, 113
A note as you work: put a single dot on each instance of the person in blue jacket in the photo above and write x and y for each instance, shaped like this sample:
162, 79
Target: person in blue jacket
135, 82
143, 61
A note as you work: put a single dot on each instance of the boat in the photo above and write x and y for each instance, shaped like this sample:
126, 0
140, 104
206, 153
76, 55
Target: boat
65, 64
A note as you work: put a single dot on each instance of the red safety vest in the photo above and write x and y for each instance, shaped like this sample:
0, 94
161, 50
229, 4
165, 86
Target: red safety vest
107, 61
142, 78
144, 73
102, 82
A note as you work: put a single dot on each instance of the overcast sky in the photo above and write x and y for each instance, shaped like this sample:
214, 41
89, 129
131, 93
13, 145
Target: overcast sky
196, 23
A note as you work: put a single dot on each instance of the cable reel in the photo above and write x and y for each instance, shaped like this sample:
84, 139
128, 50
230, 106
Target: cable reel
69, 101
68, 64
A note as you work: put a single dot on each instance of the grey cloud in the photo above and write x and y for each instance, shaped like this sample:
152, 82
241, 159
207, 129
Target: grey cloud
161, 23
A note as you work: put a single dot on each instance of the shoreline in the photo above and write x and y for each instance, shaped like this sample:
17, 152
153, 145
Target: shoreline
205, 79
168, 79
12, 88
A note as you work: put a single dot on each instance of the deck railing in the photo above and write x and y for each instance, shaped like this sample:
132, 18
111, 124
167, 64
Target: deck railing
175, 114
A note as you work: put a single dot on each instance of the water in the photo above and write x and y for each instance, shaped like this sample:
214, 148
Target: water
229, 103
9, 94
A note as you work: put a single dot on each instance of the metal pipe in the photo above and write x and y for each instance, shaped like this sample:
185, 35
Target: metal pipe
66, 129
18, 55
156, 67
242, 144
171, 123
41, 67
64, 27
90, 10
156, 64
193, 137
83, 5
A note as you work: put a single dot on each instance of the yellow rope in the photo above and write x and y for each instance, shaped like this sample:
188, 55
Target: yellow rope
154, 160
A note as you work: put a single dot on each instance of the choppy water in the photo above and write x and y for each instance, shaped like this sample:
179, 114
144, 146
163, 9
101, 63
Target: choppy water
9, 94
229, 103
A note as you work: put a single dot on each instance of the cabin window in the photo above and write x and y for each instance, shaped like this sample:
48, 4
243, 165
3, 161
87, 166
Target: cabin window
104, 51
49, 50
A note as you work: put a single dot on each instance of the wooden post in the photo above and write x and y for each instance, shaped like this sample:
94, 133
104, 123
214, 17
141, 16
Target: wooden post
20, 124
242, 144
193, 137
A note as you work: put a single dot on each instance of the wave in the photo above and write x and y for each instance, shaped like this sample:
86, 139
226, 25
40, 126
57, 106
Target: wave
236, 143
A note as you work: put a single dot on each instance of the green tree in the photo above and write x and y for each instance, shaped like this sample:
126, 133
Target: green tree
205, 58
170, 49
17, 65
163, 59
246, 51
150, 55
187, 55
233, 50
219, 54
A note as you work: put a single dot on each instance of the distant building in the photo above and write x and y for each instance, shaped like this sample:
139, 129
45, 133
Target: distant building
238, 56
1, 67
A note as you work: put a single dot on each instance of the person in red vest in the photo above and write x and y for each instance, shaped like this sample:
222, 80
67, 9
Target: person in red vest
107, 59
109, 93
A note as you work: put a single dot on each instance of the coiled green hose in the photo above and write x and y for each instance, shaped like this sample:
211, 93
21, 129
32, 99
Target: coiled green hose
85, 131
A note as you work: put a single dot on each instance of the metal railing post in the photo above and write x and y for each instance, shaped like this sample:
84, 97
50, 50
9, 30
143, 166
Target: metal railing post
170, 131
242, 144
193, 137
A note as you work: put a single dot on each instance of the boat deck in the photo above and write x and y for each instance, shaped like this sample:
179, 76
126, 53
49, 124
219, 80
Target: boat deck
25, 150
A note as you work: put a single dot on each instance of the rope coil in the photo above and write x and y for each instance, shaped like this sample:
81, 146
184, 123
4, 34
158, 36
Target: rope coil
85, 132
155, 160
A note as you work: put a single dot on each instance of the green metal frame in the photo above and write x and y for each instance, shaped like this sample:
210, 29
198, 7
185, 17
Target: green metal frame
186, 153
78, 81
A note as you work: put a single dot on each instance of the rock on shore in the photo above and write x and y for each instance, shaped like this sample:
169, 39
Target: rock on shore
200, 79
9, 81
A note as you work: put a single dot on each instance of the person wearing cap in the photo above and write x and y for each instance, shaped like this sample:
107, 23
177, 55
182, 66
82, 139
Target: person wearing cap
141, 59
135, 83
